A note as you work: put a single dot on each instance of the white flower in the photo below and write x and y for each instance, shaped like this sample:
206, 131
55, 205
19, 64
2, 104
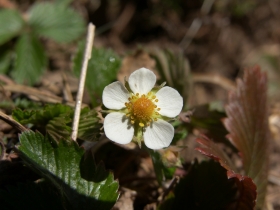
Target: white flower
139, 110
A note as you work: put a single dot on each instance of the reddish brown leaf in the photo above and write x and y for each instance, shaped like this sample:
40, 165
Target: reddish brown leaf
247, 191
213, 151
246, 197
247, 124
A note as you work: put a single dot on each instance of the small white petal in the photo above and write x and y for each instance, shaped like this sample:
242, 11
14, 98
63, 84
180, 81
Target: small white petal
142, 81
117, 128
170, 102
115, 95
159, 134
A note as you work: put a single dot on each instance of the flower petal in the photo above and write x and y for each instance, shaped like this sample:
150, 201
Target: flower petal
117, 128
159, 134
142, 81
115, 95
170, 102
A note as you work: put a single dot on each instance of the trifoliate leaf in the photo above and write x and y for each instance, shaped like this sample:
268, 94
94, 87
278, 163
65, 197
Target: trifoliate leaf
56, 22
102, 70
247, 123
89, 126
10, 25
30, 59
60, 165
30, 196
20, 115
53, 119
56, 119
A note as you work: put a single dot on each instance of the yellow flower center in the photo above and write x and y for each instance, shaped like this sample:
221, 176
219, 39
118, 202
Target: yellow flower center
142, 109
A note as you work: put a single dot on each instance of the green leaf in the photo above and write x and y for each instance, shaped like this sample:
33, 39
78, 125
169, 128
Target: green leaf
30, 60
102, 70
64, 3
5, 59
21, 103
89, 126
162, 171
60, 164
10, 25
56, 22
56, 119
247, 124
24, 103
20, 115
174, 69
179, 135
40, 193
53, 119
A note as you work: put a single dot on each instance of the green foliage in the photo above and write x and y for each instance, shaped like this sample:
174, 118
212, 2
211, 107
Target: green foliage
236, 8
89, 126
63, 2
162, 171
56, 22
30, 59
60, 164
56, 120
21, 103
174, 69
179, 136
5, 57
11, 24
102, 70
242, 8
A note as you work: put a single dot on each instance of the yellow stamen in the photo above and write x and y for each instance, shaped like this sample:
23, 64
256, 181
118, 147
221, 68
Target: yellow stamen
141, 109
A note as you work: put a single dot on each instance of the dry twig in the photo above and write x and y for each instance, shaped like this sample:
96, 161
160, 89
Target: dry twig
87, 56
41, 95
215, 79
12, 122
